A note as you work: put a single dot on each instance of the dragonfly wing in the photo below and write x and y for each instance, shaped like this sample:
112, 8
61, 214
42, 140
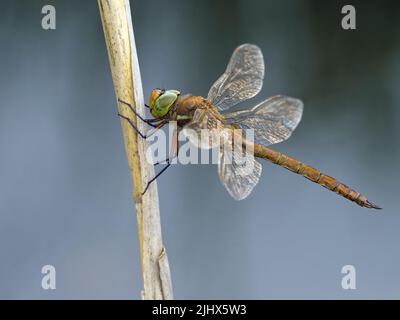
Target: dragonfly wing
238, 173
207, 129
273, 120
242, 79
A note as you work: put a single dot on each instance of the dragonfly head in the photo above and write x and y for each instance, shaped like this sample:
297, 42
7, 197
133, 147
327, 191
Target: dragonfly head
161, 101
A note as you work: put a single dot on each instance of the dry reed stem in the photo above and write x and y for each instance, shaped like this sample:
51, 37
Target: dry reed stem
119, 36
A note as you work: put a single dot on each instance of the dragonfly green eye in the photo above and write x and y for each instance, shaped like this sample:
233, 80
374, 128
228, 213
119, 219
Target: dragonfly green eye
161, 101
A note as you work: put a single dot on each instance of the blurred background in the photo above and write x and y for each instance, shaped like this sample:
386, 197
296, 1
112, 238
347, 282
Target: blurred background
65, 188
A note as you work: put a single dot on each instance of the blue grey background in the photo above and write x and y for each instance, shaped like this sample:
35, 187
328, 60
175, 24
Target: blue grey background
65, 189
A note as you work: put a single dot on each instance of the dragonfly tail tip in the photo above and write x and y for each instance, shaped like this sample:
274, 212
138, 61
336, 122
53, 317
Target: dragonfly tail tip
371, 205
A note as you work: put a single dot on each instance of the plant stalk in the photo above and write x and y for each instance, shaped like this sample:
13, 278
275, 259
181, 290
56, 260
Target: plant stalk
122, 53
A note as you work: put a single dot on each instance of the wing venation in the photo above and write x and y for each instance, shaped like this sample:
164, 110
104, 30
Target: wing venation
242, 79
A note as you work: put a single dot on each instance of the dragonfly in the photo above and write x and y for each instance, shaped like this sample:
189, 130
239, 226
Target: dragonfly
272, 121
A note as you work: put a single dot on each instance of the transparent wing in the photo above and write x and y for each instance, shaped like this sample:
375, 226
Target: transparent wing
207, 129
273, 120
242, 79
238, 173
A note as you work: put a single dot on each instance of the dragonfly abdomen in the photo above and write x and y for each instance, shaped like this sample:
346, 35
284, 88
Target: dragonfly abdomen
314, 175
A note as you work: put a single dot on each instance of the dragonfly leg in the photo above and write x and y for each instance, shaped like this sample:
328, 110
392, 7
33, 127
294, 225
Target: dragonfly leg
144, 136
156, 176
169, 162
159, 162
175, 151
148, 121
